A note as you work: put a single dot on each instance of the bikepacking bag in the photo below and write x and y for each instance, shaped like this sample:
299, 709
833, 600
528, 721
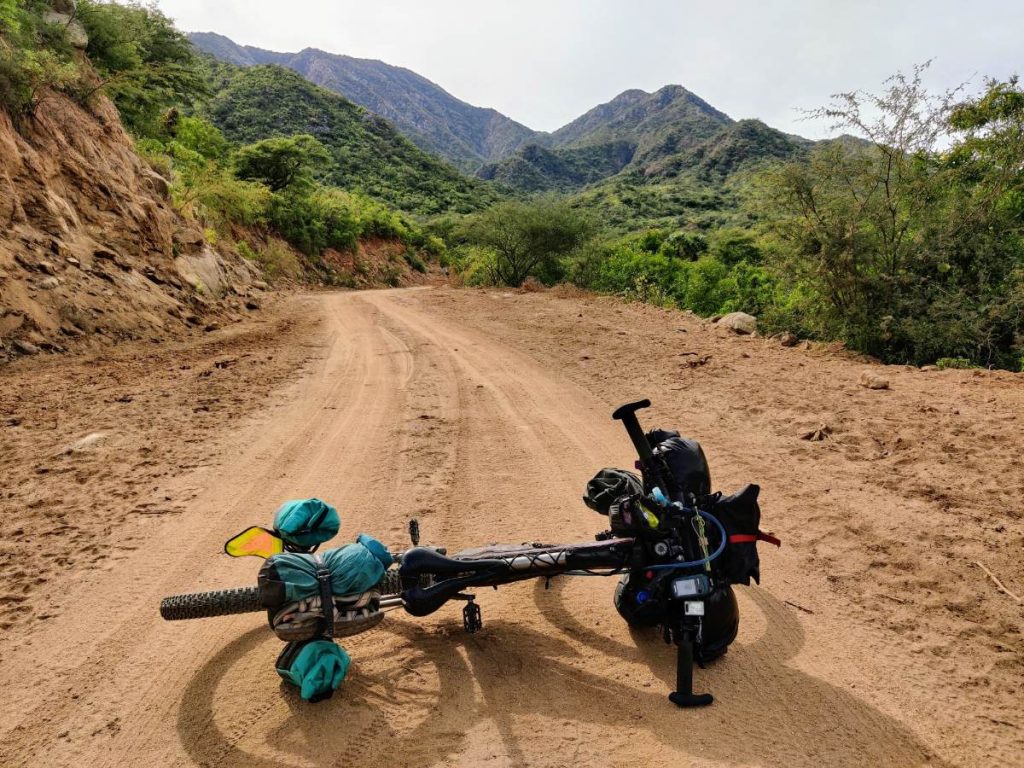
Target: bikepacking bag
740, 515
306, 523
685, 460
293, 586
608, 486
316, 667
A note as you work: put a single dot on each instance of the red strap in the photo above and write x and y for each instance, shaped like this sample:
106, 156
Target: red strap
753, 538
743, 538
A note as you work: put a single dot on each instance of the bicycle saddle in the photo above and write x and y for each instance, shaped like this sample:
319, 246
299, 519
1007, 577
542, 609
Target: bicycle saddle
420, 600
420, 560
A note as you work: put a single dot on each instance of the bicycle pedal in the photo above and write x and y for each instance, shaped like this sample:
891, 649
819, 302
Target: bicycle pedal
471, 618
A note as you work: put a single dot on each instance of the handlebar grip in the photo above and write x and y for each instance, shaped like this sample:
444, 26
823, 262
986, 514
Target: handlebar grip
628, 409
627, 415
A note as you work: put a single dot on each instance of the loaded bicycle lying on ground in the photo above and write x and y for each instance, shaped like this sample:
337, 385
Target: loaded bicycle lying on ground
678, 547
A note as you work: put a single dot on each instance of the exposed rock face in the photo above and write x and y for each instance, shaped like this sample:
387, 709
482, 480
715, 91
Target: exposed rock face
73, 29
90, 248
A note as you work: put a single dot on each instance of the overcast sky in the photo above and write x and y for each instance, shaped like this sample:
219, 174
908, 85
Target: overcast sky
545, 62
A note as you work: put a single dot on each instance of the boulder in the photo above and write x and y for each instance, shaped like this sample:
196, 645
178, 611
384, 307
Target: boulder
189, 236
156, 183
739, 322
74, 32
788, 339
204, 271
871, 380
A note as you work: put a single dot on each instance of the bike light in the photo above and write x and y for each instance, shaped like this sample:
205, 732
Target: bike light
642, 596
691, 586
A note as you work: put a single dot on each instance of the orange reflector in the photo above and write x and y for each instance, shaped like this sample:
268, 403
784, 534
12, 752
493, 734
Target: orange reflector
255, 541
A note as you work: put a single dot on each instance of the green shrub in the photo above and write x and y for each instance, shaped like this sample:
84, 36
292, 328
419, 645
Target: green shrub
275, 260
315, 221
414, 261
473, 264
34, 56
145, 64
154, 152
962, 363
434, 246
281, 162
198, 135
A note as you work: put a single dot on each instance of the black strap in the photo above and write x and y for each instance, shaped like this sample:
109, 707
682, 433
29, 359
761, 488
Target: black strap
323, 576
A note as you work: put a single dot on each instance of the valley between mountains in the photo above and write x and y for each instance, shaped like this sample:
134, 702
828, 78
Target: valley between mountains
874, 638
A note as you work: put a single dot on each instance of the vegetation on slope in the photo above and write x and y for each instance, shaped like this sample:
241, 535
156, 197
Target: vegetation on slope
432, 118
366, 153
537, 169
908, 245
250, 193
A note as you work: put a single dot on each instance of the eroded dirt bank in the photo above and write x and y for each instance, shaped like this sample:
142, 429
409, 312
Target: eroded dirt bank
875, 638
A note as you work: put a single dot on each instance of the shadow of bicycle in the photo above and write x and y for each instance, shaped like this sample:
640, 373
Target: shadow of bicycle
763, 705
415, 691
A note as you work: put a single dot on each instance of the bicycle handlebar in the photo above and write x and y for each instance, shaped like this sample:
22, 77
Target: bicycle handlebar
627, 415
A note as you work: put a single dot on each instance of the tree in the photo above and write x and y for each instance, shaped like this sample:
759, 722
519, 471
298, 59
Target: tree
527, 238
908, 242
145, 64
850, 217
35, 56
281, 162
685, 245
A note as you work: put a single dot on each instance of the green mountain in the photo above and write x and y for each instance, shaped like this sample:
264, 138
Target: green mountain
369, 155
703, 185
670, 115
432, 118
663, 158
655, 134
536, 169
736, 147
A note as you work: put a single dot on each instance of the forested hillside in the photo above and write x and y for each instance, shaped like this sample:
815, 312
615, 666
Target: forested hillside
432, 118
366, 153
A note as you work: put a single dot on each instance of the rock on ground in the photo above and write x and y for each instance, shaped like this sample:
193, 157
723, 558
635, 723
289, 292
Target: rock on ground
739, 322
872, 380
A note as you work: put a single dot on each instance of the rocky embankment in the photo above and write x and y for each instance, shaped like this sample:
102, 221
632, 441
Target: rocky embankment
91, 249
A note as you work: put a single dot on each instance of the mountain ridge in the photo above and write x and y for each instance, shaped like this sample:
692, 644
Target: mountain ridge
670, 140
433, 119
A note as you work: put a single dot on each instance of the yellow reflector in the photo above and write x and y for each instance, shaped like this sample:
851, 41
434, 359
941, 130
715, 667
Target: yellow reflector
255, 541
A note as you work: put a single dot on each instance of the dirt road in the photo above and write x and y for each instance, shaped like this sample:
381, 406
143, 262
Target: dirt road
873, 640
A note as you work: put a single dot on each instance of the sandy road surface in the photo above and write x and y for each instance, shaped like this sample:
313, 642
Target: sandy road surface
484, 415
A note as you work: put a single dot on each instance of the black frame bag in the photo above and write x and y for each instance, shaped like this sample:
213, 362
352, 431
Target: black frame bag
740, 515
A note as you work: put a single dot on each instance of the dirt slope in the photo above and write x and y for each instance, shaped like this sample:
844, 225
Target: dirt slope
91, 249
873, 639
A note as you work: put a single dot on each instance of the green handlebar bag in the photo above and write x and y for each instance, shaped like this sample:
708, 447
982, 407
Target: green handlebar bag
306, 522
316, 667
